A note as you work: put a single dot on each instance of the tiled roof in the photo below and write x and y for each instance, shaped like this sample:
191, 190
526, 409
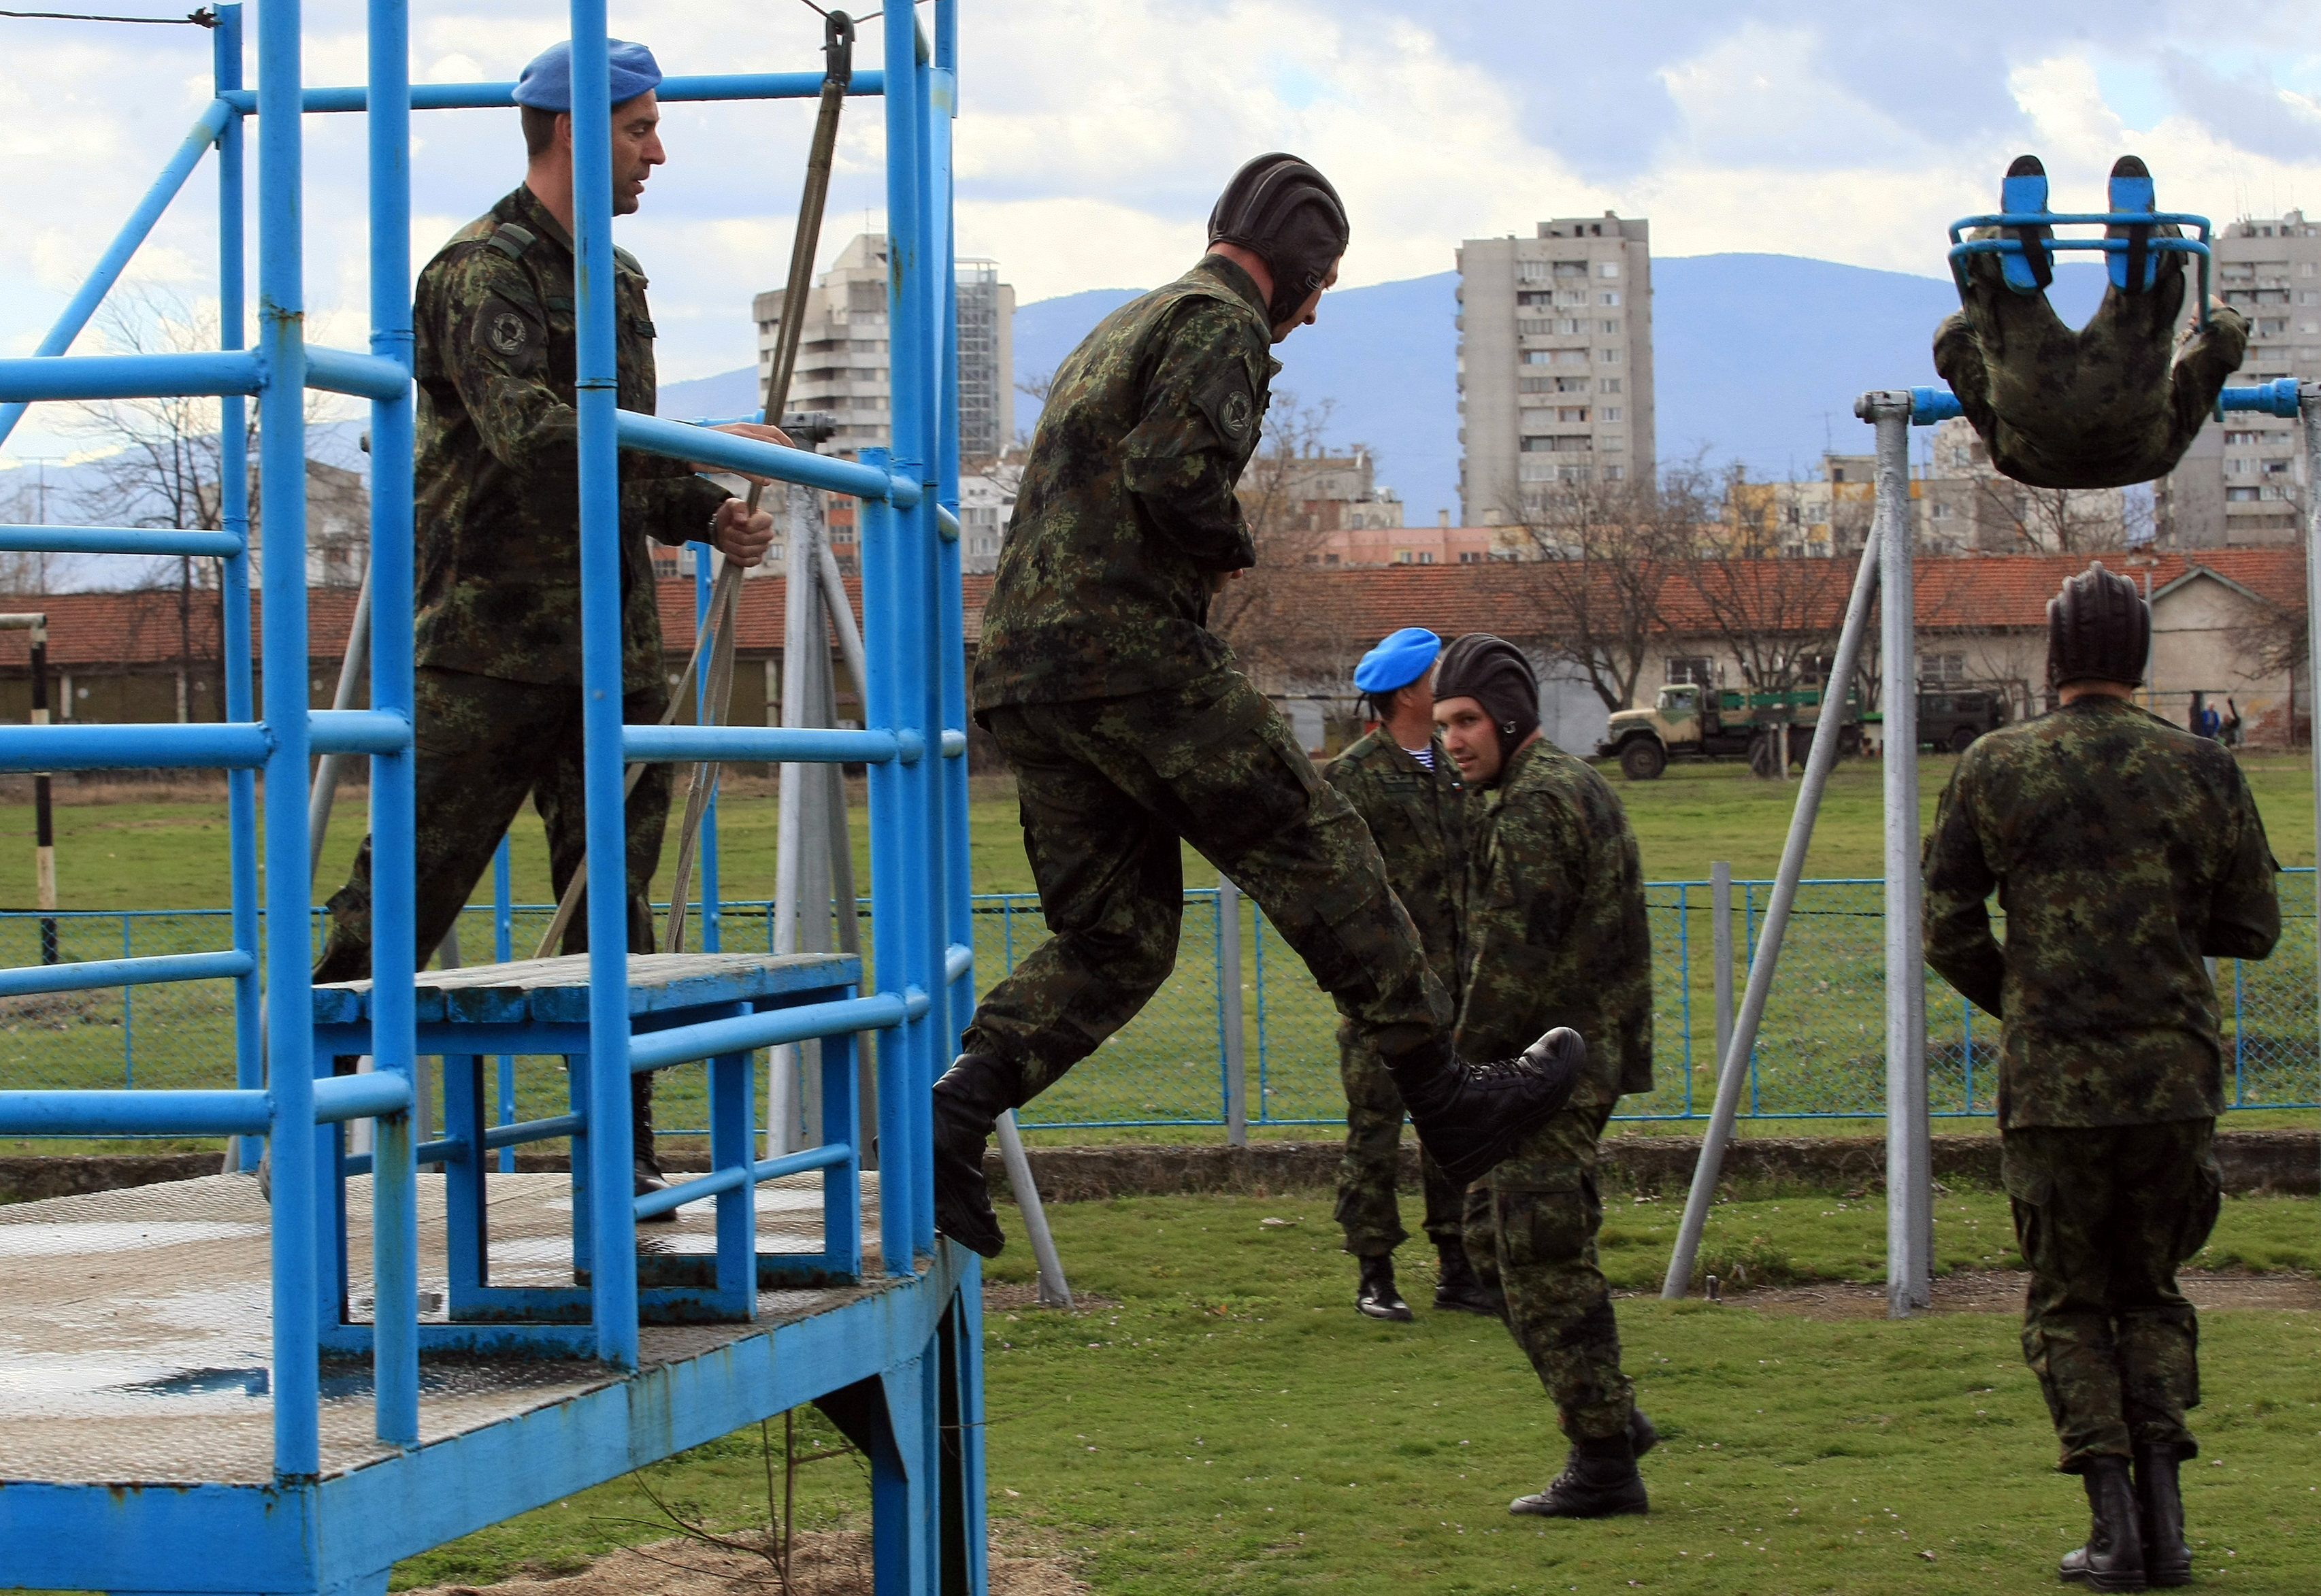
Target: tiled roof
97, 630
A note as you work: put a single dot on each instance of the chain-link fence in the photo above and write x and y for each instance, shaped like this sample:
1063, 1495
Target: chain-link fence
1820, 1051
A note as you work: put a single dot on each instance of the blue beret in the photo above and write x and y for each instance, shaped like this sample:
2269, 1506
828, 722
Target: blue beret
547, 83
1398, 661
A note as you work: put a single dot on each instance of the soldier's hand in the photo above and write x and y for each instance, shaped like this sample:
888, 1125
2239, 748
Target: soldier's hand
756, 430
742, 537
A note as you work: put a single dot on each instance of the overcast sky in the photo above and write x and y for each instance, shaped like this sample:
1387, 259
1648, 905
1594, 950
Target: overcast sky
1094, 133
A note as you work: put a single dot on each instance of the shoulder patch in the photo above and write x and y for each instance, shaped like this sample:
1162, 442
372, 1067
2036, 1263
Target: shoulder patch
508, 332
1226, 400
512, 241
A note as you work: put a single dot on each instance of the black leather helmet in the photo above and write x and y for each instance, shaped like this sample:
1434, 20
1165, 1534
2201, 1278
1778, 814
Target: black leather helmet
2099, 628
1282, 210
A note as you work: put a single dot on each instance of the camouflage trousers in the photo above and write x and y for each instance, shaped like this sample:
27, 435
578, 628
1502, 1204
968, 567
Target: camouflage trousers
1368, 1210
1531, 1235
2104, 1216
2103, 406
1109, 789
484, 746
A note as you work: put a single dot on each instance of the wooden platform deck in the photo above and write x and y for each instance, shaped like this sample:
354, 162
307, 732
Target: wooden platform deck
135, 1326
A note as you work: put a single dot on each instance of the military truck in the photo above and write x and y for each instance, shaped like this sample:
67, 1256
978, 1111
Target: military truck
1692, 720
1951, 719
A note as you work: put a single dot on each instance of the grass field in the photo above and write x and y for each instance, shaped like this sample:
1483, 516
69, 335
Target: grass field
1221, 1420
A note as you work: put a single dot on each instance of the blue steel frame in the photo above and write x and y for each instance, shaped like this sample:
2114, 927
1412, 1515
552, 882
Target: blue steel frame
1960, 248
903, 1361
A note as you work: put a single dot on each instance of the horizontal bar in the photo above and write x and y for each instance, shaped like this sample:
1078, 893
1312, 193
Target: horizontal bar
774, 745
366, 376
358, 731
959, 958
233, 744
955, 743
768, 1028
2277, 398
135, 1113
729, 451
94, 974
117, 540
2082, 218
496, 96
946, 524
2095, 246
166, 375
361, 1097
1929, 405
508, 1135
681, 1192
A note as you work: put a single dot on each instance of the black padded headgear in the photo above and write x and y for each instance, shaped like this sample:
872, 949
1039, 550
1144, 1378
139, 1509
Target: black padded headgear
1494, 673
1287, 214
2099, 628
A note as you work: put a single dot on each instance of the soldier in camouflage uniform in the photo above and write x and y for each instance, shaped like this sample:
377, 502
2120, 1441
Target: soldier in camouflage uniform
497, 695
1132, 733
1556, 936
2124, 851
2106, 405
1408, 793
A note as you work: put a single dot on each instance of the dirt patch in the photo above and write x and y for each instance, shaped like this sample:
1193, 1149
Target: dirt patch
835, 1563
2001, 1292
1000, 1296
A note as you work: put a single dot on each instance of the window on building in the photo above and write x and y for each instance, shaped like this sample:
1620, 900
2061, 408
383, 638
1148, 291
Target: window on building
1533, 300
2271, 327
1608, 296
1532, 271
1609, 384
1941, 512
1609, 357
1468, 557
2240, 496
1610, 324
1571, 412
2304, 268
1697, 668
1538, 358
1608, 268
1570, 268
1610, 413
1614, 473
1941, 668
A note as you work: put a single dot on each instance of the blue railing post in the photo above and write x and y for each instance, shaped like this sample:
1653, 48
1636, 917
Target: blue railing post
503, 950
711, 928
298, 1279
900, 1172
394, 813
234, 517
614, 1277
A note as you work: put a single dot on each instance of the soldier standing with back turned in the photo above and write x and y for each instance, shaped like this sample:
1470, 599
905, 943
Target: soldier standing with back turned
2124, 851
1403, 785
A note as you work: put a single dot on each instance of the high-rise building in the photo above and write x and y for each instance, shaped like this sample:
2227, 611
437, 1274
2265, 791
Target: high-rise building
2242, 481
842, 359
1556, 363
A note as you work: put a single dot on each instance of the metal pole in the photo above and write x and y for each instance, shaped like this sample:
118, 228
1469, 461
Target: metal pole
1909, 1193
325, 794
298, 1278
1720, 910
1229, 1013
503, 950
1733, 1068
1055, 1292
233, 516
44, 833
596, 383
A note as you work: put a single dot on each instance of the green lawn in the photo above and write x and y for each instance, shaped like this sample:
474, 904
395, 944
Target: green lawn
1223, 1421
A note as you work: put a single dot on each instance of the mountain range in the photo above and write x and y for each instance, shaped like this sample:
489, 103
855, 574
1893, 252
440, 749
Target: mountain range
1758, 358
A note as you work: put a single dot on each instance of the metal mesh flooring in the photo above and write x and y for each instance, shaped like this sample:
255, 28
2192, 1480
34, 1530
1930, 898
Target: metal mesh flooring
136, 1325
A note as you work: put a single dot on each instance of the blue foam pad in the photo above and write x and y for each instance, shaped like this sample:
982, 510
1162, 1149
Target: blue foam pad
2132, 194
2019, 197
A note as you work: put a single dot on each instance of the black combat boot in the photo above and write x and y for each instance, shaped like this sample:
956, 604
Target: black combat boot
646, 1168
1470, 1116
2113, 1558
971, 1095
2159, 1508
1376, 1297
1459, 1289
1641, 1437
1599, 1480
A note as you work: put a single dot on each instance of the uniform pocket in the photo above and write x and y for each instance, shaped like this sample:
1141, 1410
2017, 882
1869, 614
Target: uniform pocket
2204, 1201
1547, 1213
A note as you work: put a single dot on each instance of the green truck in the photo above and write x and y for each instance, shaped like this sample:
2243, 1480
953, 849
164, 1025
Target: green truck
1692, 720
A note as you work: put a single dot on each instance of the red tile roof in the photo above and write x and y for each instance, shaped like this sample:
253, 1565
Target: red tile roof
97, 630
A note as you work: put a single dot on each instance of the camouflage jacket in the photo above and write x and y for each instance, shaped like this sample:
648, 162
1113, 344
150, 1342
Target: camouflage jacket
1556, 931
2123, 850
1418, 818
499, 458
1126, 509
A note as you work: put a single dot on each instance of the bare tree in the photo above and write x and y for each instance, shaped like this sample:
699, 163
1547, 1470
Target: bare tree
1778, 617
1266, 612
2052, 520
1598, 560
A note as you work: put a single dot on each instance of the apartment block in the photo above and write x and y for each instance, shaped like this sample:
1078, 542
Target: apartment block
2242, 481
842, 364
1556, 363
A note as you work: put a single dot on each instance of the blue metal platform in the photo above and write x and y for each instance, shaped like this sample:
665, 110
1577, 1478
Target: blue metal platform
203, 1389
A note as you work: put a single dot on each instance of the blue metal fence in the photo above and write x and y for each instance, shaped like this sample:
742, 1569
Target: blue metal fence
1820, 1054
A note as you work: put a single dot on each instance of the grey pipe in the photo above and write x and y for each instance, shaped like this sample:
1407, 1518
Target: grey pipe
1909, 1152
1054, 1291
1734, 1069
325, 792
